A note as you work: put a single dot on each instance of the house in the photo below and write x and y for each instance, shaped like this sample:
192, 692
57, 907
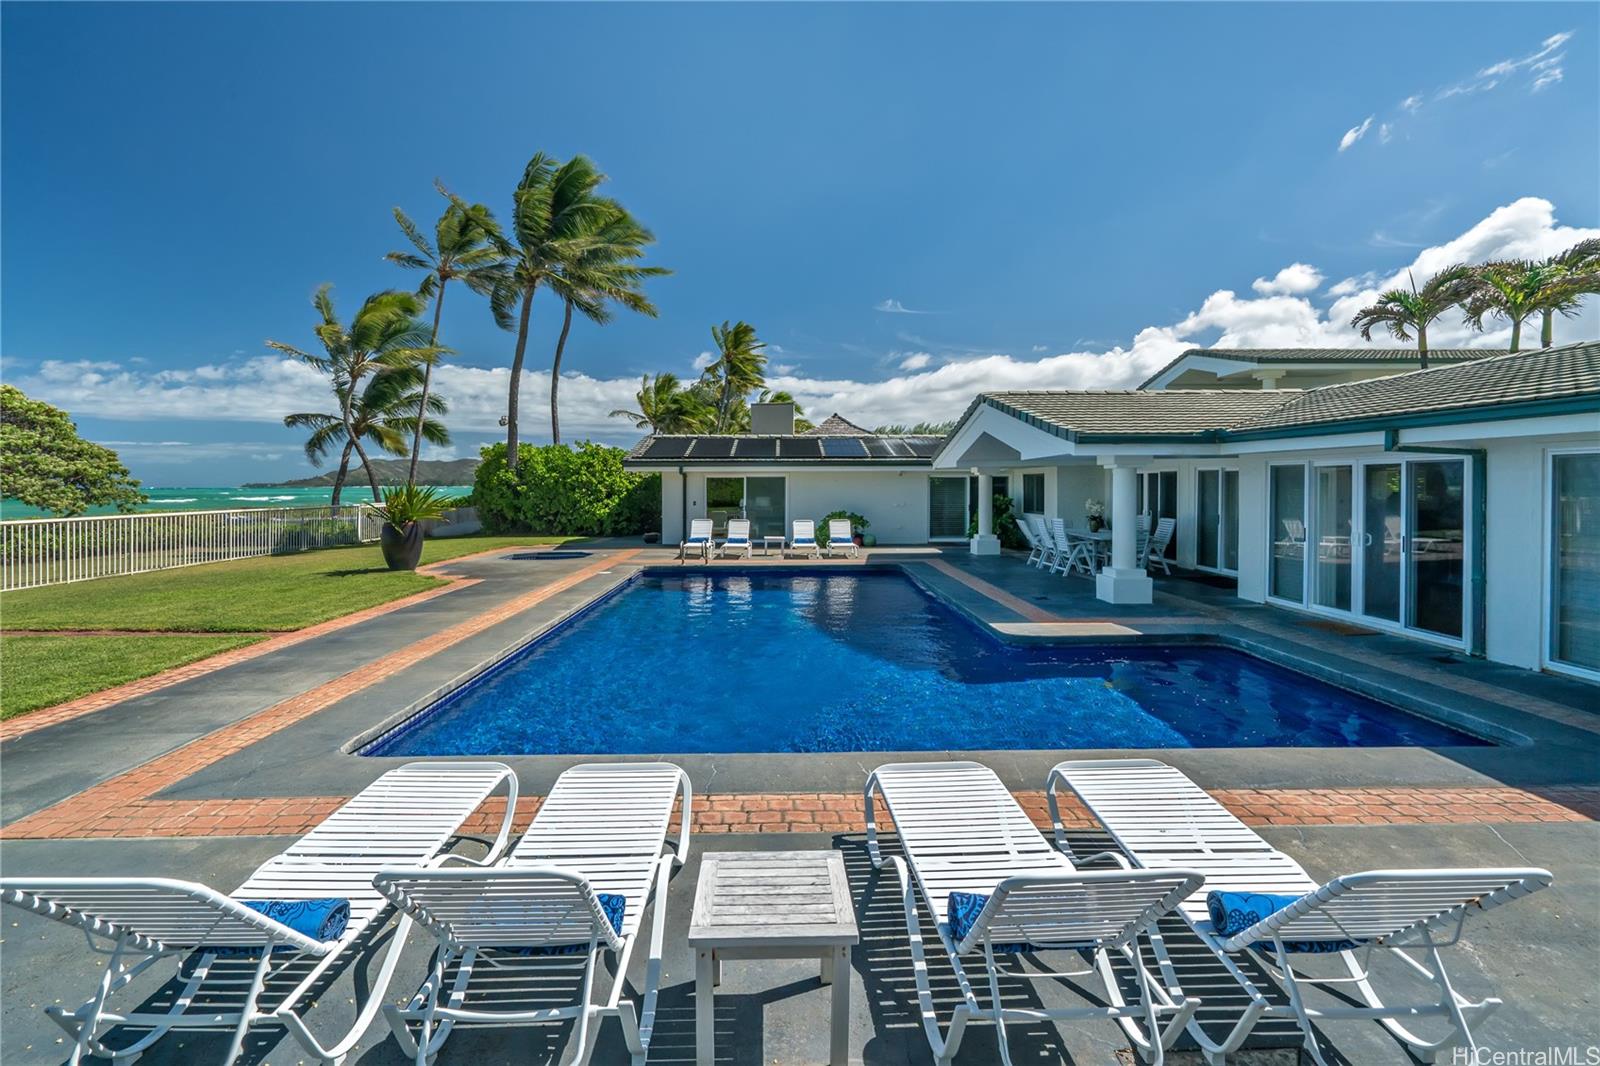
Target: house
1458, 504
1296, 368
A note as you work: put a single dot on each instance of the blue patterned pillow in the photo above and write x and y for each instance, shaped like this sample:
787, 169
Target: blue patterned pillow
319, 919
1234, 912
963, 915
613, 904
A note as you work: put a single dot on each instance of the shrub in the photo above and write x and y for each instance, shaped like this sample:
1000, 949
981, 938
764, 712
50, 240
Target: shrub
858, 524
556, 490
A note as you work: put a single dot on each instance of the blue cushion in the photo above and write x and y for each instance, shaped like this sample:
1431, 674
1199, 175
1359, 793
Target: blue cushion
1234, 912
611, 903
963, 914
319, 919
698, 540
737, 540
805, 540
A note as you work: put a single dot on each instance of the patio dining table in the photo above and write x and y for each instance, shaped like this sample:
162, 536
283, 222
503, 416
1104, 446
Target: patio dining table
1099, 538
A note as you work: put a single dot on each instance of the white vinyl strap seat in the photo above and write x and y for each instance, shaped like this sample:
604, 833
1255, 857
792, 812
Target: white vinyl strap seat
409, 815
601, 831
962, 831
1162, 820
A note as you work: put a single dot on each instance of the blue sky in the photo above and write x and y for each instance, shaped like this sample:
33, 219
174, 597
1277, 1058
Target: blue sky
909, 202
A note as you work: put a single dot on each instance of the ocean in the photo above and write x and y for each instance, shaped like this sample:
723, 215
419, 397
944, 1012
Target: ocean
221, 499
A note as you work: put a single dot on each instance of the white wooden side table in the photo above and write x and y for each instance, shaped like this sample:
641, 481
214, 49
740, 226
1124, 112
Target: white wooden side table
772, 905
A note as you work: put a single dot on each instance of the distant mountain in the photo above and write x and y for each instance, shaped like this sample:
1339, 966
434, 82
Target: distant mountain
390, 472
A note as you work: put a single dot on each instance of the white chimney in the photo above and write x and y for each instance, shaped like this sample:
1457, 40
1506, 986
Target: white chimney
772, 419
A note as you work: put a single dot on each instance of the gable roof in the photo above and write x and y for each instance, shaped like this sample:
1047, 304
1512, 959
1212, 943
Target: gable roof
1328, 356
1509, 385
1508, 381
836, 425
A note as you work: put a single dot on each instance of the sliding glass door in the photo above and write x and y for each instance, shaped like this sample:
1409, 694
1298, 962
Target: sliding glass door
760, 499
1287, 576
1331, 574
1380, 541
1574, 480
1158, 498
1436, 546
947, 508
1217, 521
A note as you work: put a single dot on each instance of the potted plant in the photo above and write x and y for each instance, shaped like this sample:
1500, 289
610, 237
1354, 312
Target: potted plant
857, 525
1097, 514
403, 511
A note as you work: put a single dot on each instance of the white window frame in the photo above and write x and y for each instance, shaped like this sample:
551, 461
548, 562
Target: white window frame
927, 505
1547, 547
1221, 472
743, 477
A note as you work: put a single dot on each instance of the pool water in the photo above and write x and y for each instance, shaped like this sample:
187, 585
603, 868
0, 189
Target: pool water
782, 662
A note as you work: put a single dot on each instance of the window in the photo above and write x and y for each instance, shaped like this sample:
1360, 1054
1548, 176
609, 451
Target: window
1575, 559
947, 507
1286, 579
1033, 493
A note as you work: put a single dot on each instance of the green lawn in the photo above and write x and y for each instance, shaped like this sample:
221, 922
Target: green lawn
218, 603
40, 672
279, 592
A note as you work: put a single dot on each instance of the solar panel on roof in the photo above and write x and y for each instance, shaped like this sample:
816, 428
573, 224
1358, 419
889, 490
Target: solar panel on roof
800, 448
843, 448
924, 447
878, 448
756, 448
668, 448
713, 448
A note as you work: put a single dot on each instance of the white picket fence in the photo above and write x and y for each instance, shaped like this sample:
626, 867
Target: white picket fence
53, 551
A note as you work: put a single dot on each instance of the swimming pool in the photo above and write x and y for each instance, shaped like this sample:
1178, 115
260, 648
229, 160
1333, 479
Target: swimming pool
732, 661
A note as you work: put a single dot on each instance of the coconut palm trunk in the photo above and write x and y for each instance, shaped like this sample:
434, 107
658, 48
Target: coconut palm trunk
555, 371
1547, 331
355, 441
427, 380
344, 470
513, 393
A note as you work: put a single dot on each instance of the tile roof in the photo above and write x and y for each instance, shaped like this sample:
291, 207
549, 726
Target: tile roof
1568, 372
836, 425
1170, 412
1334, 356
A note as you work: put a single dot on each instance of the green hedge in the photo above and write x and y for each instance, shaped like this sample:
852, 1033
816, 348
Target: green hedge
557, 490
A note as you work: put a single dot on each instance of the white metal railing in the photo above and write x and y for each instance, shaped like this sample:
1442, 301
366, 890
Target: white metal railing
54, 551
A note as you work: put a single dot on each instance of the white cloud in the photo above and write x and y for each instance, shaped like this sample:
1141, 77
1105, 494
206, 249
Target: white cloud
704, 359
1543, 64
1355, 133
1412, 103
1292, 280
263, 389
1385, 133
916, 361
895, 307
1041, 348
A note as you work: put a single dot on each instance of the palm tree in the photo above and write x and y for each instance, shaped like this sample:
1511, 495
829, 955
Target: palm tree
461, 248
603, 269
739, 368
665, 406
385, 414
1511, 290
385, 334
554, 214
1579, 276
1407, 312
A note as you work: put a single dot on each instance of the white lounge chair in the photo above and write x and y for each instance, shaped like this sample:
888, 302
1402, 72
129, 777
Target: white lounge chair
1044, 548
699, 539
1035, 546
841, 537
599, 836
1163, 819
1073, 554
804, 540
407, 816
1155, 552
738, 539
970, 847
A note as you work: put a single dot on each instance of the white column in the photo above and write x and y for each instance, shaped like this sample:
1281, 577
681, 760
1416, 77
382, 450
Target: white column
1123, 581
985, 543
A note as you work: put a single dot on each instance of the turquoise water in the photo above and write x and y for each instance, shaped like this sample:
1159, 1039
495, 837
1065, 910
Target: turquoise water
224, 499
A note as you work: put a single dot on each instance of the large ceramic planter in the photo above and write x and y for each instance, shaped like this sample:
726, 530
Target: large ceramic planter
402, 549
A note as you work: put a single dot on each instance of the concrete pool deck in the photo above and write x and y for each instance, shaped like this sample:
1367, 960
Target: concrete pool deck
260, 748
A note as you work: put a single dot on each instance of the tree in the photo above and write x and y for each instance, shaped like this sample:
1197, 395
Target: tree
461, 248
385, 334
45, 464
1511, 290
1575, 274
601, 270
1407, 312
739, 369
665, 406
920, 429
554, 214
385, 414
